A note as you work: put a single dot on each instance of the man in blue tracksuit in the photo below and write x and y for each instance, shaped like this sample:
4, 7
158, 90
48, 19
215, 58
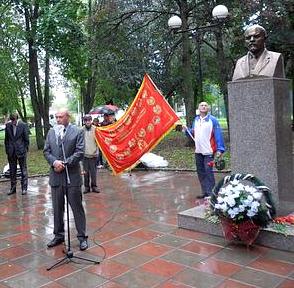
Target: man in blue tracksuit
207, 135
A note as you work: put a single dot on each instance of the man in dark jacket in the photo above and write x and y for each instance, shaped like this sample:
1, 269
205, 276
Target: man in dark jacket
16, 147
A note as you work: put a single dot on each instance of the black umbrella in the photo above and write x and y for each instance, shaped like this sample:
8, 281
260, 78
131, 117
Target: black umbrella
104, 109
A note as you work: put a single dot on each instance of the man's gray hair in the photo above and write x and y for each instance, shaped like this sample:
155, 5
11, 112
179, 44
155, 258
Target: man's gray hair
258, 27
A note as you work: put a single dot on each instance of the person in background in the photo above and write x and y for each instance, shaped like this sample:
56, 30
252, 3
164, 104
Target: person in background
71, 138
207, 135
16, 147
52, 121
108, 119
96, 122
99, 162
90, 156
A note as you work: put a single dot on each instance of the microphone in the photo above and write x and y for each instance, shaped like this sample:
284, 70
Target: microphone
59, 130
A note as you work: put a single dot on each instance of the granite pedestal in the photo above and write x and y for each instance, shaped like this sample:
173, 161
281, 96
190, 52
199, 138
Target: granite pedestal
261, 136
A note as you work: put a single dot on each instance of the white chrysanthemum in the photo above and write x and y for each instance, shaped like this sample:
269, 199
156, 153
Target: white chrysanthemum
257, 195
241, 208
255, 205
236, 194
247, 202
239, 187
224, 207
234, 182
250, 213
233, 212
229, 187
222, 191
231, 201
220, 199
250, 189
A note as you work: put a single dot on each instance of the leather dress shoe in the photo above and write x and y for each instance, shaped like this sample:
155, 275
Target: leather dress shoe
83, 245
201, 196
55, 242
87, 190
24, 192
95, 190
12, 191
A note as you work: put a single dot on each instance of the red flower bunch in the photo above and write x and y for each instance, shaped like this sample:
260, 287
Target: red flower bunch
210, 164
289, 220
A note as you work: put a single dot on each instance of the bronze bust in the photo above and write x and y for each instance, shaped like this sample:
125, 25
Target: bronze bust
259, 62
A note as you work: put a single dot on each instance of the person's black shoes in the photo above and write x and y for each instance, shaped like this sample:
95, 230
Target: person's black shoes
55, 242
202, 196
87, 190
12, 191
83, 245
95, 190
24, 192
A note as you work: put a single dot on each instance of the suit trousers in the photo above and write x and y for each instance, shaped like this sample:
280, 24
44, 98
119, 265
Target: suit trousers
89, 165
76, 204
12, 160
205, 173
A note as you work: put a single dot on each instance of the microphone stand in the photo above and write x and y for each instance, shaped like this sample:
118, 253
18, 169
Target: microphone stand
69, 255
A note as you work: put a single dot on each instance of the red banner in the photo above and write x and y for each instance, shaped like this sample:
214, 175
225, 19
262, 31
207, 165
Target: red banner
143, 125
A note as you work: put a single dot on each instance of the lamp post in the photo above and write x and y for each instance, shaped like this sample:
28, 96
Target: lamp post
219, 14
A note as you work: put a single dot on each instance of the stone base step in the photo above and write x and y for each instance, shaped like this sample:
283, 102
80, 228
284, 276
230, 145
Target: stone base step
194, 219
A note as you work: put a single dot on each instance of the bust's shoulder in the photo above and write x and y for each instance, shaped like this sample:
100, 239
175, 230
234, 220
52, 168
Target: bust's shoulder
274, 55
243, 57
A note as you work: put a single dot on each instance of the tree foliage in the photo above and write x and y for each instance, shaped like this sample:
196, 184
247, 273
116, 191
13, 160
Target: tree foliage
104, 48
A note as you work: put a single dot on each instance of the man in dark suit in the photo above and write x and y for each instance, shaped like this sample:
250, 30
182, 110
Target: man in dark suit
16, 147
67, 136
258, 62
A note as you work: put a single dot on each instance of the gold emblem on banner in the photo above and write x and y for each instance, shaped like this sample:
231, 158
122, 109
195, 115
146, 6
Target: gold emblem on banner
120, 156
150, 127
108, 140
151, 101
113, 148
142, 133
142, 144
157, 109
156, 120
132, 143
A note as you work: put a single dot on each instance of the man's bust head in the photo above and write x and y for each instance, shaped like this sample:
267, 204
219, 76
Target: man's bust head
258, 62
255, 37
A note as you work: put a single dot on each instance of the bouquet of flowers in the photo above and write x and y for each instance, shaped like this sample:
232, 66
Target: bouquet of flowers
242, 208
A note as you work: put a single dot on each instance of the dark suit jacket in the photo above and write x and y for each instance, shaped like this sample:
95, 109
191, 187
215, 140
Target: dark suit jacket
18, 144
74, 146
270, 64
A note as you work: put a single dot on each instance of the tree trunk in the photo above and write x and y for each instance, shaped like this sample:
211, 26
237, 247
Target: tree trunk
46, 94
22, 112
30, 20
223, 70
90, 89
188, 94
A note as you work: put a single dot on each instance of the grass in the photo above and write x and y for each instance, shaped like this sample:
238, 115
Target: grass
35, 159
174, 148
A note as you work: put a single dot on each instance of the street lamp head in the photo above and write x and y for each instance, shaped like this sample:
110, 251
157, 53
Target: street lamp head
174, 22
220, 12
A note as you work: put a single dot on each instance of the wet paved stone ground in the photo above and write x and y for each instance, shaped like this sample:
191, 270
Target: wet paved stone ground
132, 228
